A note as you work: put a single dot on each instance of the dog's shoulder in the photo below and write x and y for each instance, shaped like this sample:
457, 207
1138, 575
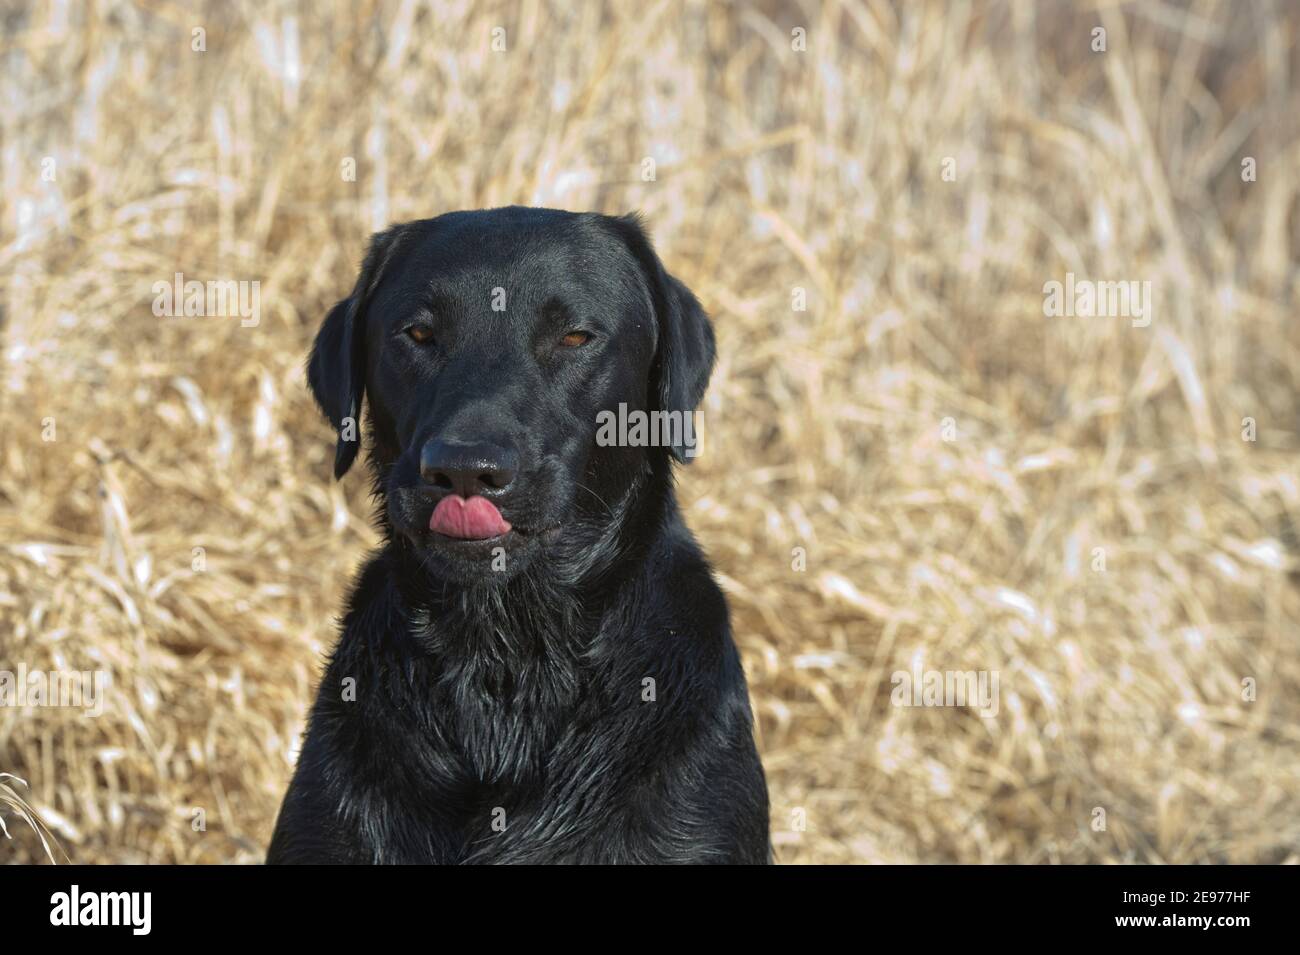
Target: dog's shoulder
675, 626
685, 589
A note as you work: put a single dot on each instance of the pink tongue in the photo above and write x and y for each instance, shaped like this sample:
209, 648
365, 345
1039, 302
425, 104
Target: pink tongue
468, 518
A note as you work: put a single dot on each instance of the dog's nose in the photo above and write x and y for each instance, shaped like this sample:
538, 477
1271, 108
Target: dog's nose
468, 469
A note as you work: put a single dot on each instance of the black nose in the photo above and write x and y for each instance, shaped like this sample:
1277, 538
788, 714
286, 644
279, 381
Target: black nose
467, 469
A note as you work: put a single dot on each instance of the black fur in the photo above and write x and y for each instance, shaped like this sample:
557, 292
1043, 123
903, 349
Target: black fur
474, 712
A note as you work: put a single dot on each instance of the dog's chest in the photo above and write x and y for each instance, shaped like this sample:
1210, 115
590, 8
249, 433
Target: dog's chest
484, 744
479, 778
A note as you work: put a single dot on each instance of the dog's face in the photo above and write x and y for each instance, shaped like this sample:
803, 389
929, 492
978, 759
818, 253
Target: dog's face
488, 345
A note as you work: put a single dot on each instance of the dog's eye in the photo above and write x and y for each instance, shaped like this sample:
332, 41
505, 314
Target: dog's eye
420, 334
575, 340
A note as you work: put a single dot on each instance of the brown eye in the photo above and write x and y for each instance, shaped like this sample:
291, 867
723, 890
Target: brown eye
420, 334
575, 339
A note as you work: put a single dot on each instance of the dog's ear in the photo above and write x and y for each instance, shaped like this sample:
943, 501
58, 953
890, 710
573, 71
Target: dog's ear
336, 370
684, 356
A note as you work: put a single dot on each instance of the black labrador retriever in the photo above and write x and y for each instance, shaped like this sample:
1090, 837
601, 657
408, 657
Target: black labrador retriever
538, 665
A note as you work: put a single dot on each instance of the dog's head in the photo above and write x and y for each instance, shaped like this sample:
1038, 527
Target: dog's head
523, 368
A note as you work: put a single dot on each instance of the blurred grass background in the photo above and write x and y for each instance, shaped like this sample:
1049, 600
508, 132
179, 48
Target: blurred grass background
777, 169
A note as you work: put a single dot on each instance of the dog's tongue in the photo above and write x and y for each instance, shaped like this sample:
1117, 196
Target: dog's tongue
468, 518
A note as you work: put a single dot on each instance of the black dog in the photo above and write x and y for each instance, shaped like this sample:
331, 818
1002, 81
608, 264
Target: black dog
538, 665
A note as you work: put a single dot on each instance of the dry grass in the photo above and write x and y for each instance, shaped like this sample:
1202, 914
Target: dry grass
776, 170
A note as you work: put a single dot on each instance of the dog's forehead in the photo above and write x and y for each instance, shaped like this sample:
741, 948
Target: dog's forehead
496, 259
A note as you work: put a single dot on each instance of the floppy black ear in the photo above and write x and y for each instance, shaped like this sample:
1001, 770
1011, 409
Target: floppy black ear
684, 357
336, 370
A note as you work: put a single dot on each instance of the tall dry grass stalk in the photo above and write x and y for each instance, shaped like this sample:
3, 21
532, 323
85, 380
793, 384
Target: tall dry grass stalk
13, 804
166, 513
